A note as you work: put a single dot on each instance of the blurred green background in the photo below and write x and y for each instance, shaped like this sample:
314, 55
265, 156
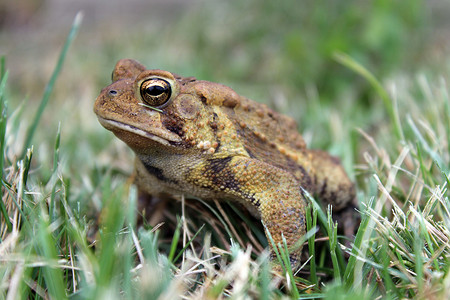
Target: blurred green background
277, 52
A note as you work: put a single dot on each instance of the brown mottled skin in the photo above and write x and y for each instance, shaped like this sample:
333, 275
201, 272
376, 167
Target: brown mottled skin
207, 141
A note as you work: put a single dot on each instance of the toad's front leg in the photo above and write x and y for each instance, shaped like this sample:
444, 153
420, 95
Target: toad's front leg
274, 193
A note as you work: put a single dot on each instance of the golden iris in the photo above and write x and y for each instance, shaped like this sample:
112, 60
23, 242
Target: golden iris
155, 91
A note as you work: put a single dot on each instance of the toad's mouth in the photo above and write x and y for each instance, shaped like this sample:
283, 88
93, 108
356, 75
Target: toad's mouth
122, 131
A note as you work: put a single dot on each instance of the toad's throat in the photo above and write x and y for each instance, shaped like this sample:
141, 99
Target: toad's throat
161, 138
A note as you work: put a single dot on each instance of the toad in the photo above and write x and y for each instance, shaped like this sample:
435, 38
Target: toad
203, 139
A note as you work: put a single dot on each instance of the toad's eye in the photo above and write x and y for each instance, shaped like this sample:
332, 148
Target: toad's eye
155, 92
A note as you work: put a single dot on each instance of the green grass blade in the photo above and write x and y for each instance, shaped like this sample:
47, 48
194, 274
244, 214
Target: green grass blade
385, 261
353, 65
311, 223
3, 120
55, 167
444, 174
128, 258
264, 278
285, 255
274, 248
332, 234
357, 244
175, 240
53, 275
425, 145
312, 296
49, 88
446, 109
188, 243
27, 164
360, 248
114, 217
2, 67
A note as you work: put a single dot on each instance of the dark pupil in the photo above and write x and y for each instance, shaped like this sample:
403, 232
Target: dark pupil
154, 90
